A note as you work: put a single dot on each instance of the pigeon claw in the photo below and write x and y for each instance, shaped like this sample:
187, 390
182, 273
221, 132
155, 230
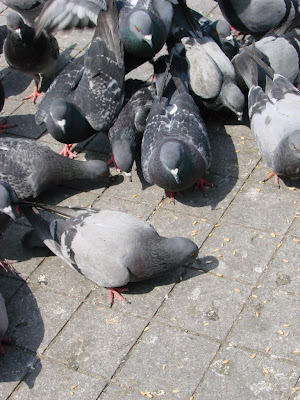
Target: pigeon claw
275, 177
112, 161
202, 183
6, 265
112, 292
171, 195
66, 151
34, 95
3, 126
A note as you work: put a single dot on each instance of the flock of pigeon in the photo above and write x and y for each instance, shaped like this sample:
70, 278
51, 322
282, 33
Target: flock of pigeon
204, 66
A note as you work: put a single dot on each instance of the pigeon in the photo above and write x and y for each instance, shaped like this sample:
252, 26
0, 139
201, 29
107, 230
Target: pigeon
28, 9
9, 211
175, 147
212, 76
31, 167
111, 248
88, 95
3, 125
59, 15
28, 54
3, 323
126, 134
281, 53
144, 26
258, 17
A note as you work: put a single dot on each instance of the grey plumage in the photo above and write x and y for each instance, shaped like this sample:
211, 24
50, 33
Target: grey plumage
175, 148
3, 321
127, 132
91, 87
58, 15
31, 167
28, 54
28, 9
111, 248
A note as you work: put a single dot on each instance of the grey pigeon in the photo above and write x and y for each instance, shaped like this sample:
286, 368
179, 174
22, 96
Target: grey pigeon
281, 53
3, 125
3, 322
126, 134
28, 9
274, 121
31, 167
144, 26
257, 17
111, 248
28, 54
9, 211
88, 95
58, 15
175, 147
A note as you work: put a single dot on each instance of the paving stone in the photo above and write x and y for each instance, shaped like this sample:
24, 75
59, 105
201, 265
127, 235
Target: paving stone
213, 205
9, 285
235, 373
295, 228
23, 117
77, 39
117, 392
263, 207
208, 304
140, 210
284, 271
169, 223
36, 315
101, 346
13, 367
165, 360
57, 274
17, 85
144, 297
204, 7
67, 197
9, 107
261, 324
243, 253
53, 381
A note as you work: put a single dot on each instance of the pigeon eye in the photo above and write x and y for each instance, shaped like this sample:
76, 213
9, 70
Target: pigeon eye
192, 254
295, 148
137, 28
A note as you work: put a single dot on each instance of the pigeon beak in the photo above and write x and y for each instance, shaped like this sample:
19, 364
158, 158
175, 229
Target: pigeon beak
18, 32
129, 176
174, 172
239, 116
148, 39
9, 211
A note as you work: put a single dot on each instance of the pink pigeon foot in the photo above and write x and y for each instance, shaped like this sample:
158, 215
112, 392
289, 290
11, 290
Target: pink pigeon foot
6, 265
275, 176
34, 95
112, 161
3, 127
112, 292
202, 183
171, 195
67, 151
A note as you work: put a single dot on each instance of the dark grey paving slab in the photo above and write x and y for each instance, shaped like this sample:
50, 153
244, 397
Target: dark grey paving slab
263, 207
211, 206
204, 303
9, 285
56, 274
284, 271
145, 297
96, 340
243, 253
270, 320
165, 360
66, 196
36, 315
17, 85
54, 381
24, 118
170, 223
236, 374
13, 367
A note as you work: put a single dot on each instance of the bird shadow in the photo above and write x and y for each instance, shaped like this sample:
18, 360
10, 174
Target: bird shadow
25, 330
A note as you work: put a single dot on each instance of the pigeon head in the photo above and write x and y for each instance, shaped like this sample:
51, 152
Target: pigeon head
220, 31
287, 156
60, 112
15, 24
182, 251
233, 98
172, 157
7, 200
95, 169
123, 155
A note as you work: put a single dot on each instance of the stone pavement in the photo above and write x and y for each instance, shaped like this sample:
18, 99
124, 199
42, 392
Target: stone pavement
226, 328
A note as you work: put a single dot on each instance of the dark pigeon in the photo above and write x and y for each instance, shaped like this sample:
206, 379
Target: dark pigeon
175, 148
111, 248
3, 322
31, 167
59, 15
126, 134
28, 54
3, 125
144, 26
88, 94
257, 17
28, 9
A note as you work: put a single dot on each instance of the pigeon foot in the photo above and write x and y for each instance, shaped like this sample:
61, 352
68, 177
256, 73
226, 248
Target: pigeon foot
202, 183
3, 126
171, 195
34, 95
6, 265
112, 161
67, 151
275, 177
112, 292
